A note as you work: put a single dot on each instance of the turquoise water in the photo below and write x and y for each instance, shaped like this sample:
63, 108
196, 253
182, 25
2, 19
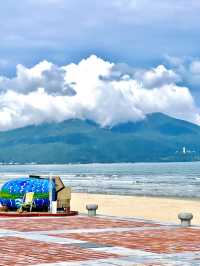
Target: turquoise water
150, 179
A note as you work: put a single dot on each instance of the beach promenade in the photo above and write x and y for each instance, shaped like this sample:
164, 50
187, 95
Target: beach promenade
99, 241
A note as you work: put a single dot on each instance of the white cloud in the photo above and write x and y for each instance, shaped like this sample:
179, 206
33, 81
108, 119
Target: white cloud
195, 67
157, 77
89, 90
44, 74
188, 69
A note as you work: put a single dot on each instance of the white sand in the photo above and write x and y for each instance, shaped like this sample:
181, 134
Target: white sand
160, 209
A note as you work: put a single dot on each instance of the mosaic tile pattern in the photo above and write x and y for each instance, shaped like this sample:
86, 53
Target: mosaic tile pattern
13, 191
99, 241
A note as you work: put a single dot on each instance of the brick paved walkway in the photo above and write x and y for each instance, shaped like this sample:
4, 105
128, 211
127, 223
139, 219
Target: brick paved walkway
80, 240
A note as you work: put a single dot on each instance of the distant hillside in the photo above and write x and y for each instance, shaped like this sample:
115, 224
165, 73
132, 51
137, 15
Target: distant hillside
156, 138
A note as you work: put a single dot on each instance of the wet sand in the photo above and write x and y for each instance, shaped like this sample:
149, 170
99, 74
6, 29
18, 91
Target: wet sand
153, 208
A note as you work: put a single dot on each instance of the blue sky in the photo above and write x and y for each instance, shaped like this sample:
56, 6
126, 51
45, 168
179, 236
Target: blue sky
136, 35
138, 32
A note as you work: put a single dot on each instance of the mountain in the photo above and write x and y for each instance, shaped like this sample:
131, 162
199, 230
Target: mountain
156, 138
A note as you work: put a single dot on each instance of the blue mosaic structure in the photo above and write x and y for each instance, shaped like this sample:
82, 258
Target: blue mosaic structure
13, 191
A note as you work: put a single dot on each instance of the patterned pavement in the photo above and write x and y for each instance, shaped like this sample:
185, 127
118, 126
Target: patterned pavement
96, 241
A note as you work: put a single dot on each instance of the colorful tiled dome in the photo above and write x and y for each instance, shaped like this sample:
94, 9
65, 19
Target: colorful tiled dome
13, 191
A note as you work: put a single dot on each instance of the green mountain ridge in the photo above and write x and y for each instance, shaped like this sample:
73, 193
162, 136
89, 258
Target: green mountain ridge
156, 138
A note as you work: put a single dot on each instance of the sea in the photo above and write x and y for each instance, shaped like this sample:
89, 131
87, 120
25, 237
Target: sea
180, 179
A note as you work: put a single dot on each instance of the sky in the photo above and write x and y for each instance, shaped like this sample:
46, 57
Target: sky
110, 61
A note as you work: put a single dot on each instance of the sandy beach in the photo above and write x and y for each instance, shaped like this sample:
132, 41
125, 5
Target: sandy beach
153, 208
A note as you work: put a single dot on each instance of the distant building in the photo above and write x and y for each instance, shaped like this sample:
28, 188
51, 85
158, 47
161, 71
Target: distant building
184, 150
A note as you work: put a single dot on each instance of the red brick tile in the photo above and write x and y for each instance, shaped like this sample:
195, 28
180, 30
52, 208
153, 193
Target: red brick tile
18, 251
159, 241
74, 222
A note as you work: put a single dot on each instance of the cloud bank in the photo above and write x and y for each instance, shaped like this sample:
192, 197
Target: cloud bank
94, 89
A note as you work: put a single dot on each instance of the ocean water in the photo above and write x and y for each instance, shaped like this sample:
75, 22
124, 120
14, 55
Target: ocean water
145, 179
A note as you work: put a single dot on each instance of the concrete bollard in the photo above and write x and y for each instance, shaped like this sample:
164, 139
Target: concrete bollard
185, 218
91, 209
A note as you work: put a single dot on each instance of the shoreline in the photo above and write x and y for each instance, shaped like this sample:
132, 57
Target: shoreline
97, 163
139, 196
161, 209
